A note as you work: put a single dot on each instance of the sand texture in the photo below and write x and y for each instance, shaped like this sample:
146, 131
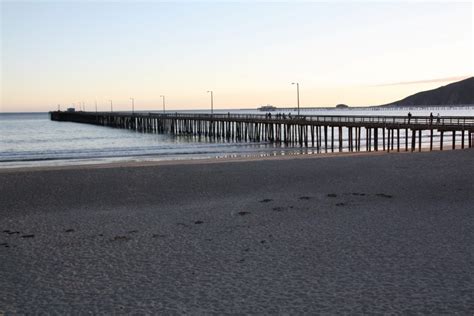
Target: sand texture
390, 233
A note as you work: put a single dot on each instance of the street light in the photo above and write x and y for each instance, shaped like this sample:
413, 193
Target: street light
297, 95
212, 101
96, 105
133, 105
162, 96
111, 106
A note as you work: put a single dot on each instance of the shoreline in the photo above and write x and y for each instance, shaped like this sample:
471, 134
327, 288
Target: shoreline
144, 162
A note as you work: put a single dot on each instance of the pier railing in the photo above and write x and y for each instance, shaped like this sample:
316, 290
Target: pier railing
446, 121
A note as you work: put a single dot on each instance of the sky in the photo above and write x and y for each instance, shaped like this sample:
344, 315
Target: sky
247, 53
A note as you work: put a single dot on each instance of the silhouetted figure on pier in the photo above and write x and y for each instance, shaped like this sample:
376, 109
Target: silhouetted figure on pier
438, 119
409, 117
431, 118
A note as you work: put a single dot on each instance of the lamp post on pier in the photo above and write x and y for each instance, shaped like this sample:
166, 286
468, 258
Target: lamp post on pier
163, 97
111, 106
212, 101
133, 105
297, 95
96, 105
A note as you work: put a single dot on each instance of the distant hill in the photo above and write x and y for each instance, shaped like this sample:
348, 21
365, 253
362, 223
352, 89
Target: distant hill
457, 93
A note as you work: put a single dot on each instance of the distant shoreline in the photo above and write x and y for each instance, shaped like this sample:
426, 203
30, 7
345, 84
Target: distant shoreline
305, 108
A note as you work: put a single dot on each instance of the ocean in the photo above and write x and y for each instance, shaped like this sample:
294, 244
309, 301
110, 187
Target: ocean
32, 139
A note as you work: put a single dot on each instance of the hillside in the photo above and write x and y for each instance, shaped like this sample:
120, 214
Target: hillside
457, 93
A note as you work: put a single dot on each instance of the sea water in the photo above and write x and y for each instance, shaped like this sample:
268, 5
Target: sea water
32, 139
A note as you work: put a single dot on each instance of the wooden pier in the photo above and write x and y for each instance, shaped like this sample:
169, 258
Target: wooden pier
323, 133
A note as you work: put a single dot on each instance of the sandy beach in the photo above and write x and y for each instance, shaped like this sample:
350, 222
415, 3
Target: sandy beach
358, 234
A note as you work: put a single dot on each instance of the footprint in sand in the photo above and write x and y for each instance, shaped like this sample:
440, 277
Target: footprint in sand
4, 244
332, 195
121, 238
158, 236
198, 222
133, 231
388, 196
358, 194
28, 236
304, 198
70, 230
266, 200
278, 209
243, 213
340, 204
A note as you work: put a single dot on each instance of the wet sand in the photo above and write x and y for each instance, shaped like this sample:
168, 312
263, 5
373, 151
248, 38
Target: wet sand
387, 233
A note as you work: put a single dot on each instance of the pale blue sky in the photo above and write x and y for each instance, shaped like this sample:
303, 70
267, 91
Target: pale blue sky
248, 53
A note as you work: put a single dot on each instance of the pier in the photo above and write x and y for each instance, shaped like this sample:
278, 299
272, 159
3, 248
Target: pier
332, 133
